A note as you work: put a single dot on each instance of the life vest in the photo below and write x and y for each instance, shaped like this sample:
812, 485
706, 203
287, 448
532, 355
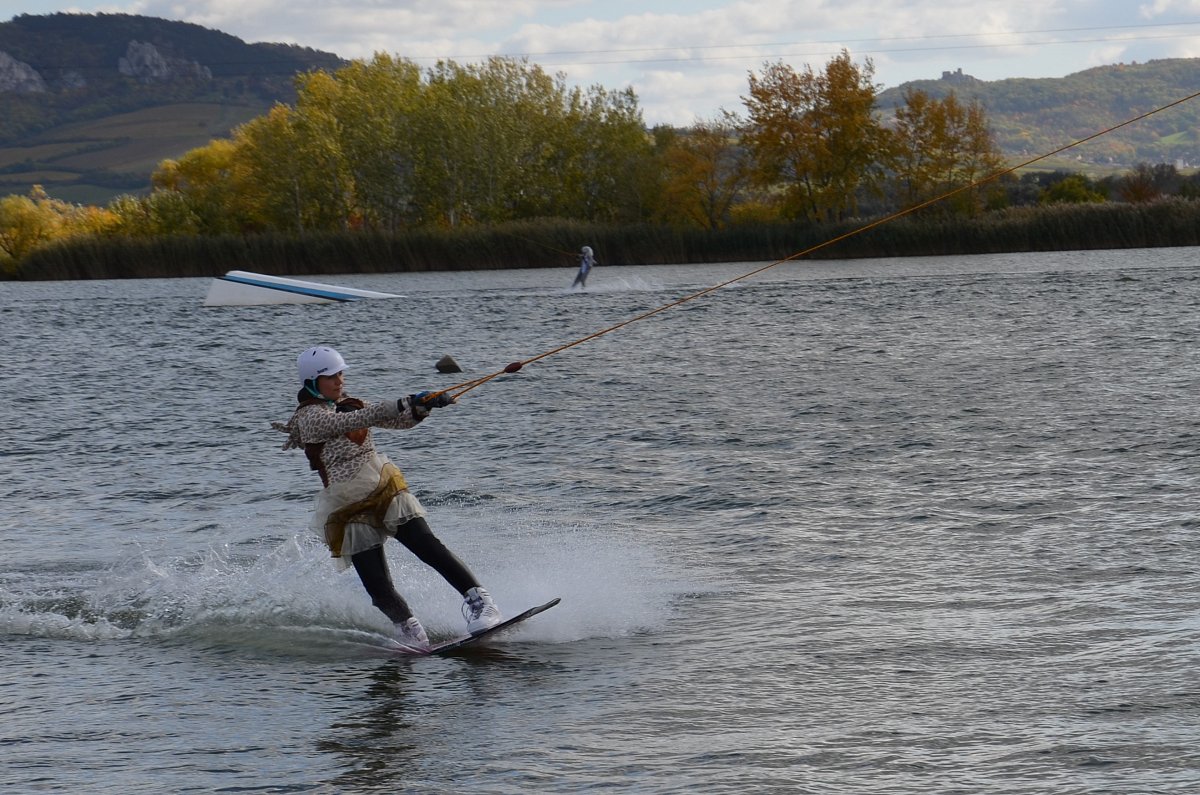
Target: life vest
313, 450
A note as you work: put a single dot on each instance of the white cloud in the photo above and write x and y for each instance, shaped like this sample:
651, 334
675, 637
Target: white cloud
1162, 7
687, 60
1185, 48
675, 95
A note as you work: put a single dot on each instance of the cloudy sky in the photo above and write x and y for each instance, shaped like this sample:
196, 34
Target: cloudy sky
687, 60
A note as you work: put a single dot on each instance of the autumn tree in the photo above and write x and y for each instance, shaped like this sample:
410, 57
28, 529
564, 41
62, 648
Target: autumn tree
286, 170
707, 171
1147, 182
257, 180
815, 137
939, 146
25, 223
28, 222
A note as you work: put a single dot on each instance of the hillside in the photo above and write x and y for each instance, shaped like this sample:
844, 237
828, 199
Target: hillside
93, 101
1032, 116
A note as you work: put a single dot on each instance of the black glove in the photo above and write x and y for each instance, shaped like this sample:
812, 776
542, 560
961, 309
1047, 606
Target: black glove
424, 402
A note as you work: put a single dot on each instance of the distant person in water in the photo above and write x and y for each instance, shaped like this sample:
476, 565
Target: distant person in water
366, 499
586, 261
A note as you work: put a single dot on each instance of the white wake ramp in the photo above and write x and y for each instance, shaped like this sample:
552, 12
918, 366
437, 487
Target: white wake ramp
243, 288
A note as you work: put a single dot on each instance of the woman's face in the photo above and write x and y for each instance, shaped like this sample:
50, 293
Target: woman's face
330, 386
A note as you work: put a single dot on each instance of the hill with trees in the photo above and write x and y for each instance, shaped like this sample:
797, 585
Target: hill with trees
92, 102
1032, 116
381, 163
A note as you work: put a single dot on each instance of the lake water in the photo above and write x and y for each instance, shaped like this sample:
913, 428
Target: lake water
910, 526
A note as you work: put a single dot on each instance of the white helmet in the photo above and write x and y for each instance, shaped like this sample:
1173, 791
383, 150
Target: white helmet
586, 250
321, 360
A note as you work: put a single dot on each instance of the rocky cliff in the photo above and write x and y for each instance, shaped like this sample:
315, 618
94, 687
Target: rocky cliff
19, 77
143, 61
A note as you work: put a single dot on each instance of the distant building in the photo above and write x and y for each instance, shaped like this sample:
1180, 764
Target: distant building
957, 76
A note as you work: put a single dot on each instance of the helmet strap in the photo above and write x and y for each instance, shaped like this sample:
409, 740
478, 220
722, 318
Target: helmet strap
311, 387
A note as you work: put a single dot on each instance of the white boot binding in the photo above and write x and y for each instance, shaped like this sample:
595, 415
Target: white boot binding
412, 636
480, 611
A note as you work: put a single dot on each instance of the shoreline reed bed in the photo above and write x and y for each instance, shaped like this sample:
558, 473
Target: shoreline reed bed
555, 243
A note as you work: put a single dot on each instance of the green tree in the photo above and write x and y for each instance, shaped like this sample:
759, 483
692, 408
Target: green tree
327, 175
279, 187
815, 136
615, 166
205, 178
481, 137
163, 212
379, 145
378, 105
504, 140
1072, 189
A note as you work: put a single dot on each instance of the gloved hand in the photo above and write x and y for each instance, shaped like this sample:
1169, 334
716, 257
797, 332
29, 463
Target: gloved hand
422, 403
439, 402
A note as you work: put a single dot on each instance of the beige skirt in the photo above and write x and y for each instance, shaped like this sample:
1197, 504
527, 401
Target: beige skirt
363, 512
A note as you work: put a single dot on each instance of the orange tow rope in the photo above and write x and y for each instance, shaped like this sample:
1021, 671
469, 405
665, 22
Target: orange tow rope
466, 386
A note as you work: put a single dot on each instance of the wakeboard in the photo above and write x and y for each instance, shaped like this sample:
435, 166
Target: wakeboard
459, 643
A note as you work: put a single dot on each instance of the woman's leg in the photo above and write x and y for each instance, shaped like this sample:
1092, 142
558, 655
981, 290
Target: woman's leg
416, 536
372, 569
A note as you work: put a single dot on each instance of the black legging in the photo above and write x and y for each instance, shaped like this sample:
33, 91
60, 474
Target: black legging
372, 568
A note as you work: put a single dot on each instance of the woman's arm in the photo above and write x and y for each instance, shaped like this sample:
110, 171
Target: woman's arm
320, 423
